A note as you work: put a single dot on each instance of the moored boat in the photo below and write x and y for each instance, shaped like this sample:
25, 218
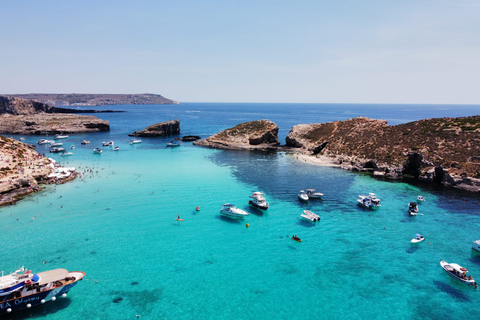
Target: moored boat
230, 210
135, 141
258, 200
66, 154
418, 238
45, 141
476, 245
56, 144
60, 136
25, 290
173, 144
412, 208
108, 144
310, 216
97, 150
458, 272
85, 142
371, 201
57, 150
116, 148
303, 195
313, 194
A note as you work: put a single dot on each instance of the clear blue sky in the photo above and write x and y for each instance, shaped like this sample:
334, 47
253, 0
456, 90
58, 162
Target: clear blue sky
405, 51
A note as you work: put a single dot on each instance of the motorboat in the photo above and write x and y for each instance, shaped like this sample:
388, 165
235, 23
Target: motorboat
97, 150
420, 199
313, 194
371, 201
45, 141
56, 144
116, 148
309, 215
22, 139
412, 208
23, 289
135, 141
258, 200
60, 136
72, 147
108, 144
303, 195
85, 142
173, 144
418, 238
458, 272
476, 245
66, 154
231, 211
57, 150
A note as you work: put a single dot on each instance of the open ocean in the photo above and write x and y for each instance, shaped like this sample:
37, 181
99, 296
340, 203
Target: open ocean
117, 223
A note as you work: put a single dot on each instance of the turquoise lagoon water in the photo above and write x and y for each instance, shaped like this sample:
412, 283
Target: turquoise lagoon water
117, 223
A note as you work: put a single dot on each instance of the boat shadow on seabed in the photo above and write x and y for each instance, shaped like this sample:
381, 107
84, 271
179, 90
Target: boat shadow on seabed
39, 311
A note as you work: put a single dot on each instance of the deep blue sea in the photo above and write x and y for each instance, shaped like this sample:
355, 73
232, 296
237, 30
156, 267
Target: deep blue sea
117, 223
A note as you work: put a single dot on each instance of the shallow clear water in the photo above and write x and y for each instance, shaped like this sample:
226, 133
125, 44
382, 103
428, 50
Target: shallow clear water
117, 223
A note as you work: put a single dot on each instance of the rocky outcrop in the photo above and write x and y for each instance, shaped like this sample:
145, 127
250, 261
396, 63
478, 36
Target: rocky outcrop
442, 150
253, 135
42, 123
166, 128
17, 106
190, 138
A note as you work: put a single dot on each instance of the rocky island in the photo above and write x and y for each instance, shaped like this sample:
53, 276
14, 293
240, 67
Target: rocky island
253, 135
21, 116
166, 128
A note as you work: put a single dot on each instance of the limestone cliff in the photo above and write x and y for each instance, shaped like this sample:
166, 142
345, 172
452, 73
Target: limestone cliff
166, 128
445, 150
253, 135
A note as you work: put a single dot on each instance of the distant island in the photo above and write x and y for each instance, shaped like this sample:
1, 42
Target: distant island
85, 99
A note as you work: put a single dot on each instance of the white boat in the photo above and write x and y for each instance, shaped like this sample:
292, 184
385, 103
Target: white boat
230, 210
60, 136
22, 139
57, 150
116, 148
309, 215
412, 208
66, 154
369, 202
136, 141
418, 238
420, 198
45, 141
303, 195
258, 200
85, 142
108, 144
56, 144
97, 150
476, 245
458, 272
313, 194
173, 144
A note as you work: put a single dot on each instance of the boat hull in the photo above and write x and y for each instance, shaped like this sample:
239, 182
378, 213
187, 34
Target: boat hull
259, 206
468, 282
232, 215
476, 246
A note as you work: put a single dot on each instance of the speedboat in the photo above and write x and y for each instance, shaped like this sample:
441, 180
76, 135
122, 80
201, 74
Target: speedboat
44, 141
412, 208
116, 148
56, 144
418, 238
303, 195
135, 141
57, 150
371, 201
24, 289
258, 200
108, 144
458, 272
313, 194
173, 144
85, 142
97, 150
66, 154
309, 215
60, 136
476, 245
231, 211
420, 198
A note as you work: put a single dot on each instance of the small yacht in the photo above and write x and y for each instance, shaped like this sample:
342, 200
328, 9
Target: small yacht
418, 238
310, 216
57, 150
476, 245
458, 272
56, 144
60, 136
258, 200
135, 141
85, 142
173, 144
231, 211
412, 208
371, 201
108, 144
303, 195
45, 141
66, 154
313, 194
97, 150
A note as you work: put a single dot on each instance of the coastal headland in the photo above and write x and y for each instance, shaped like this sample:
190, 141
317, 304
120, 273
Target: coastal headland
443, 150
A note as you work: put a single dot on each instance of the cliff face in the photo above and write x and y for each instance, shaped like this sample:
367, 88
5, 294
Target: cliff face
445, 150
166, 128
253, 135
16, 106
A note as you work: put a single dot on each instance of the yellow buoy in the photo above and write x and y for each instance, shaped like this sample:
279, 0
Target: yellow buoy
247, 225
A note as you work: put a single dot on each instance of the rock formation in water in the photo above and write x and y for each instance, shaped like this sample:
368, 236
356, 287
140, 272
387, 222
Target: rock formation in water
253, 135
162, 129
445, 150
20, 116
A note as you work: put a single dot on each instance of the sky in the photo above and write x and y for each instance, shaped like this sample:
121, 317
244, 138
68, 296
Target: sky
304, 51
